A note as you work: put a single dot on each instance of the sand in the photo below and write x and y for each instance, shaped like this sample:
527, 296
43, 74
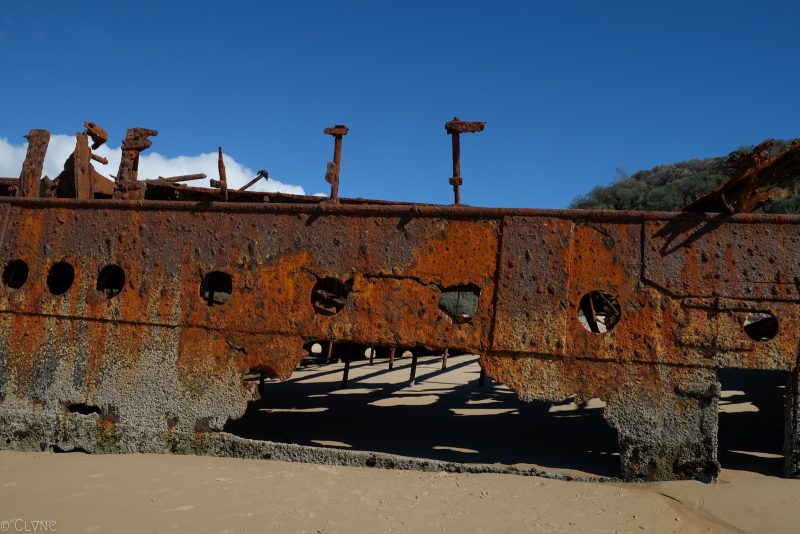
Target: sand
152, 493
444, 416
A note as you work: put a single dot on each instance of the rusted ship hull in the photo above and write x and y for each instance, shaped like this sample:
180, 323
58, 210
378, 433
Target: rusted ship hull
157, 363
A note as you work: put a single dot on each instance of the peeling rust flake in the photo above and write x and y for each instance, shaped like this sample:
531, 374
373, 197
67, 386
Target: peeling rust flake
136, 312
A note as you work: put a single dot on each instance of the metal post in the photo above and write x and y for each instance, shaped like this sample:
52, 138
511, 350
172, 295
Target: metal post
223, 176
332, 174
329, 358
456, 179
455, 128
346, 371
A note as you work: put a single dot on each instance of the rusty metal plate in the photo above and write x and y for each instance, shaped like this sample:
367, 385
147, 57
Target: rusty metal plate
715, 259
532, 306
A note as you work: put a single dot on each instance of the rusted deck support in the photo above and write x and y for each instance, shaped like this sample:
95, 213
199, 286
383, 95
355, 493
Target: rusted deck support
127, 184
334, 167
412, 376
346, 370
34, 163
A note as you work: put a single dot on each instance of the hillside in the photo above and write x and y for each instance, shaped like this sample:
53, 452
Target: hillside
670, 187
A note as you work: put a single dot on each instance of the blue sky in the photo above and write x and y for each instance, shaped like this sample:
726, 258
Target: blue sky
571, 90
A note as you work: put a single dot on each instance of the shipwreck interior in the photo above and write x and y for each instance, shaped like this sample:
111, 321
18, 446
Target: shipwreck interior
447, 414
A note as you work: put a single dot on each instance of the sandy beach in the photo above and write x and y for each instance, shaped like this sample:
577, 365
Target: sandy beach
444, 416
152, 493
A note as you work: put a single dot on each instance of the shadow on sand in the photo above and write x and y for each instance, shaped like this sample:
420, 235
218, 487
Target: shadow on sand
446, 415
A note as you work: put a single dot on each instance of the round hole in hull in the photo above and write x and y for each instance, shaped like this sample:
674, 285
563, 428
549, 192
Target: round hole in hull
111, 281
60, 278
15, 274
599, 312
216, 288
760, 326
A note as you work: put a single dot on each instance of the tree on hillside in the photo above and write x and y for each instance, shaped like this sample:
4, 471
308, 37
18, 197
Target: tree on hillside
669, 188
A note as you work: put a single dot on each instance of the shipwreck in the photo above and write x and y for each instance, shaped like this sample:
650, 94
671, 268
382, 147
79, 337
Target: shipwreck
136, 312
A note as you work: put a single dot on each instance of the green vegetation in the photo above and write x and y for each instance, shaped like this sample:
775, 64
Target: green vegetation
669, 188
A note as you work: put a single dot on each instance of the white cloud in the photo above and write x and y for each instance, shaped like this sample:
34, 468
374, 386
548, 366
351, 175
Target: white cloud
151, 165
11, 158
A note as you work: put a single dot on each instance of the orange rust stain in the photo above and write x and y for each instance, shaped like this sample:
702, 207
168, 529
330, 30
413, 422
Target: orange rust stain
465, 253
204, 355
277, 298
28, 241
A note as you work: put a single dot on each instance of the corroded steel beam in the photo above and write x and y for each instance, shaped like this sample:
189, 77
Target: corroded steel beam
139, 334
334, 167
97, 133
183, 178
261, 174
767, 173
34, 163
136, 140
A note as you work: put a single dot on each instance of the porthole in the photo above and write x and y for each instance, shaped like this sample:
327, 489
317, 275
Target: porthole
460, 302
760, 326
15, 274
216, 288
329, 295
60, 278
599, 312
111, 281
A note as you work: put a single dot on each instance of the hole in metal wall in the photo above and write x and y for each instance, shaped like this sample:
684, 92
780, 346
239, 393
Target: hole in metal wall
216, 288
111, 281
599, 312
329, 295
83, 408
460, 302
60, 278
760, 326
752, 408
444, 407
15, 274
